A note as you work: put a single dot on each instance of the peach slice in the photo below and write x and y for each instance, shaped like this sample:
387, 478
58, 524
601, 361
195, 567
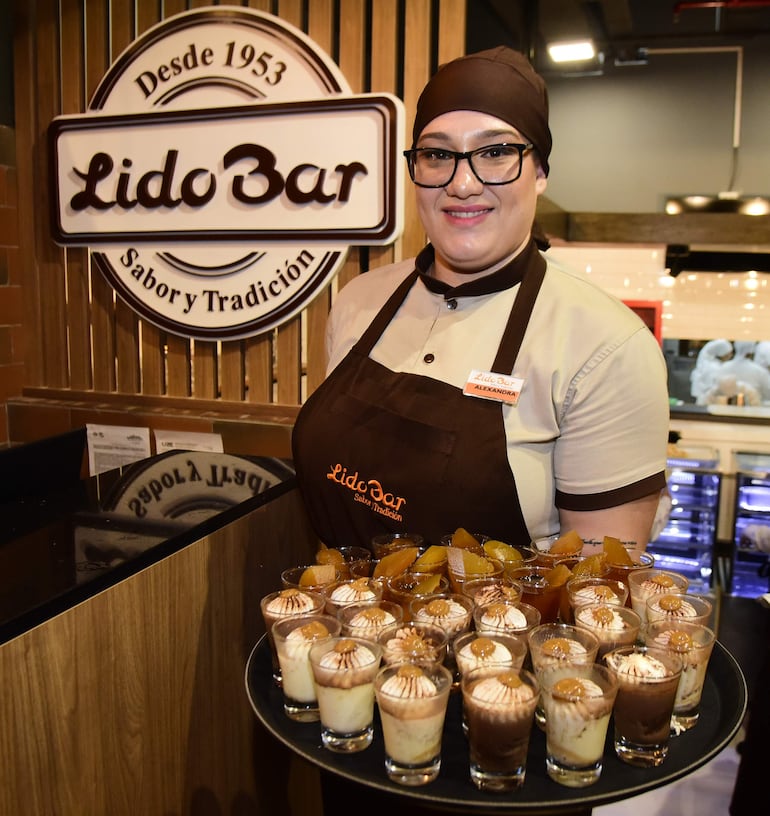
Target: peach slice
464, 540
558, 575
395, 563
568, 544
616, 553
502, 551
318, 575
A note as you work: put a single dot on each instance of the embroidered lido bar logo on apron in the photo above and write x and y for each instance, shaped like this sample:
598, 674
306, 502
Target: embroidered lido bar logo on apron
222, 170
369, 492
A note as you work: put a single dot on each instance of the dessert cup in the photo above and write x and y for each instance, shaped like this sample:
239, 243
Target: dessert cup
578, 700
559, 644
485, 590
693, 642
620, 572
350, 591
588, 589
472, 650
405, 588
498, 706
648, 679
412, 701
413, 642
390, 542
293, 638
344, 669
651, 582
505, 617
613, 625
286, 603
537, 591
680, 606
366, 620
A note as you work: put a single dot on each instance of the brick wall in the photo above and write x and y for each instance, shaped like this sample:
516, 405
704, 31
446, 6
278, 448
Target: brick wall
11, 308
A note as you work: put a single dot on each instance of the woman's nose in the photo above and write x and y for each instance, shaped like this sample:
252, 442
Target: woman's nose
464, 181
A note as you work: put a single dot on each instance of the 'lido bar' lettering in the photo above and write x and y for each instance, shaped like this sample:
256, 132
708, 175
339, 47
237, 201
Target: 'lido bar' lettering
262, 182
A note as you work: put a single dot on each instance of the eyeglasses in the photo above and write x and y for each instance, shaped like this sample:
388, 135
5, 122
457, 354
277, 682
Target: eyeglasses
493, 164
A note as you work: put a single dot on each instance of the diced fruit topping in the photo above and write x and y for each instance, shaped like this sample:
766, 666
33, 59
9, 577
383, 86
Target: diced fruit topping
314, 630
670, 603
557, 647
663, 580
680, 641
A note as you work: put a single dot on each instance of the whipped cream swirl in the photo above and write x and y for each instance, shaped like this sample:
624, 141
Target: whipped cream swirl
503, 615
505, 688
353, 591
410, 682
347, 654
290, 602
637, 665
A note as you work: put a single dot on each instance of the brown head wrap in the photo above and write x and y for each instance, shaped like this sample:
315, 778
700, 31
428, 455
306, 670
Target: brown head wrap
500, 82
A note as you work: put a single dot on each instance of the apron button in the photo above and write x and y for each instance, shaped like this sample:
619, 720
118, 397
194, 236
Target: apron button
451, 304
428, 358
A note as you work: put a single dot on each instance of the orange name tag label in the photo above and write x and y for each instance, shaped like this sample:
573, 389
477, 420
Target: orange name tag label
492, 386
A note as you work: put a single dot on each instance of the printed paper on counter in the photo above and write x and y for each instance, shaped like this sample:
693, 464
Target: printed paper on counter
191, 441
112, 446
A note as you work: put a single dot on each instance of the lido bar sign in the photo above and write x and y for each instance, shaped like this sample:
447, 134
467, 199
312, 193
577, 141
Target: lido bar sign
222, 171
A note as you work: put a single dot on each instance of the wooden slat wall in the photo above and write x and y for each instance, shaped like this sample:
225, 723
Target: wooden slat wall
80, 335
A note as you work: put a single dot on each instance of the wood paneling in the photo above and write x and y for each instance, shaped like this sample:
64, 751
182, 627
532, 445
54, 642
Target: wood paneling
133, 701
81, 336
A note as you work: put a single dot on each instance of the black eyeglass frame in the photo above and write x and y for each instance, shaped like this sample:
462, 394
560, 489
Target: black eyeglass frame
409, 155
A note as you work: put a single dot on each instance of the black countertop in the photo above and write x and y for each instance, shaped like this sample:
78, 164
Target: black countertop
64, 540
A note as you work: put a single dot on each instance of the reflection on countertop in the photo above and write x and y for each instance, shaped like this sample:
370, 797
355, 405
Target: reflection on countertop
64, 542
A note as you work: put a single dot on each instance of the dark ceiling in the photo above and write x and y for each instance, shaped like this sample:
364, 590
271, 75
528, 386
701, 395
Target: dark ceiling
621, 29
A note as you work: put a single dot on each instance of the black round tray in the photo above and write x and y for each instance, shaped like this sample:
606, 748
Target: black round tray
723, 706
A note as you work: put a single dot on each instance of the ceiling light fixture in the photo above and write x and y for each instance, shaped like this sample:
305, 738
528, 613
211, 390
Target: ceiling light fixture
575, 51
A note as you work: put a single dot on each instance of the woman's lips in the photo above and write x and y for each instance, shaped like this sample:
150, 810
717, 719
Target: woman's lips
466, 214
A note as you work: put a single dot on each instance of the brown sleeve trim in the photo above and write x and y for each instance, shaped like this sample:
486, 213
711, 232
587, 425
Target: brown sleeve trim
612, 498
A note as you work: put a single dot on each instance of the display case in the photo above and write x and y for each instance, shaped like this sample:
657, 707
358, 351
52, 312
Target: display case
751, 533
686, 543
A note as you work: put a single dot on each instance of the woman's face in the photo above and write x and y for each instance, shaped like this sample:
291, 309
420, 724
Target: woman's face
474, 227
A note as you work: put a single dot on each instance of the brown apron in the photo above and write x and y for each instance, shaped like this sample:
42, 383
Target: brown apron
378, 451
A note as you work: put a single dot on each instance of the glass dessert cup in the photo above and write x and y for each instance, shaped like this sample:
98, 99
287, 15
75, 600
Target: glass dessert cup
679, 606
344, 669
412, 701
693, 642
452, 612
463, 565
648, 679
505, 617
310, 576
612, 625
587, 589
498, 707
366, 620
544, 557
389, 542
650, 582
286, 603
559, 644
485, 590
294, 638
413, 642
473, 650
620, 572
578, 700
405, 588
537, 591
349, 591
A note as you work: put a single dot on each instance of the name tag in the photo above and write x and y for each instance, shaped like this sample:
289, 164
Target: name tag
492, 386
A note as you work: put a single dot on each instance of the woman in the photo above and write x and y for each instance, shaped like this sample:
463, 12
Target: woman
480, 385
